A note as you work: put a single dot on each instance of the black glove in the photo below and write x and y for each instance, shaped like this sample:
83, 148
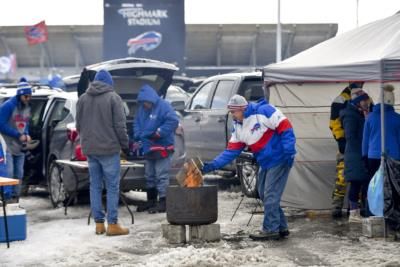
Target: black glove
128, 153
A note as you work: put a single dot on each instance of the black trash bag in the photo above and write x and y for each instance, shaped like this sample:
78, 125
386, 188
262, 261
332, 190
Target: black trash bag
391, 192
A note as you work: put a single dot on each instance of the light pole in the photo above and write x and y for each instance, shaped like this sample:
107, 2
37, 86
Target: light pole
279, 35
357, 4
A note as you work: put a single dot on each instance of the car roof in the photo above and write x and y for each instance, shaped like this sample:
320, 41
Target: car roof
37, 91
66, 95
131, 62
239, 75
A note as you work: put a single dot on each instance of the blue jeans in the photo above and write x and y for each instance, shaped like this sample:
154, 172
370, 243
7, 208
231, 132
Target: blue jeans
15, 169
104, 170
271, 184
157, 174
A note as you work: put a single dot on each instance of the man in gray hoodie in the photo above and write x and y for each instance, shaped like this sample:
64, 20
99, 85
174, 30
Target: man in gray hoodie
101, 123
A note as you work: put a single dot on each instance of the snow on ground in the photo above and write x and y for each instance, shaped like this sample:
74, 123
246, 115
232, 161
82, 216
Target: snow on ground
56, 239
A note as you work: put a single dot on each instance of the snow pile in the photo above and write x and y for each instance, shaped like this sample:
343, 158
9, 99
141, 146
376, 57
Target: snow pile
217, 256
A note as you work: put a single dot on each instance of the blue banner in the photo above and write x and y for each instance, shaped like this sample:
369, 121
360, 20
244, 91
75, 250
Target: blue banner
145, 28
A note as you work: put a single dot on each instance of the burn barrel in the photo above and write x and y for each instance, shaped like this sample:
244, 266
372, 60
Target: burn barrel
192, 206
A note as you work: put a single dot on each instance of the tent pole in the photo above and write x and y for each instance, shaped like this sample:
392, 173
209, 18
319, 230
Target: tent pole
383, 152
382, 119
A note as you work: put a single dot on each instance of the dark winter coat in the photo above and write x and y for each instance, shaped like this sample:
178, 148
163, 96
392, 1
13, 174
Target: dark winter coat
101, 121
353, 123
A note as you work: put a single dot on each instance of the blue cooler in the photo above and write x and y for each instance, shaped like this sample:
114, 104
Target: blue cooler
16, 220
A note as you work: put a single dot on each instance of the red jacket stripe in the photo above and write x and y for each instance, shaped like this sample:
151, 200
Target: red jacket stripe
283, 126
260, 144
236, 145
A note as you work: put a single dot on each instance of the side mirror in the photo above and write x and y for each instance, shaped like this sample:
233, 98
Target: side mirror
178, 105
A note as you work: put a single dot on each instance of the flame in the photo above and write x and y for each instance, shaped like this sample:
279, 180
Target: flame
193, 176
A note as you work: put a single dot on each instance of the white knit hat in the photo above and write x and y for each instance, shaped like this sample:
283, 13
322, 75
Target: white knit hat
388, 95
237, 102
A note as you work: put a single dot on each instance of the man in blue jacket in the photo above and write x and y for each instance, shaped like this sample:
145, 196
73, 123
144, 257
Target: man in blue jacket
269, 136
155, 125
371, 143
14, 126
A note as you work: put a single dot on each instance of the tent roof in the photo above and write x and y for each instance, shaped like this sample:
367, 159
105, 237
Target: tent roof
356, 55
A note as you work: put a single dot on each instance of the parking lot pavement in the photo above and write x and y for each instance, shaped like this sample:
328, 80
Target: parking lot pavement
56, 239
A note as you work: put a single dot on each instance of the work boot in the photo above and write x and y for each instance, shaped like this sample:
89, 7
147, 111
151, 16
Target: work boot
160, 207
265, 236
116, 229
284, 233
151, 200
355, 216
100, 228
337, 213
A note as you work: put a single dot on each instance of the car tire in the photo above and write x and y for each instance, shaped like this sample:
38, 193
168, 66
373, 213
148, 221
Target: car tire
247, 172
57, 191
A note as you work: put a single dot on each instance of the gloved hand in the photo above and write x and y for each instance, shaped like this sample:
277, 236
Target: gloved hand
134, 146
128, 153
290, 161
207, 167
156, 135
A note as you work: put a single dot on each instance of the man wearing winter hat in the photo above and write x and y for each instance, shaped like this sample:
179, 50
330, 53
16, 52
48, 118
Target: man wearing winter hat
101, 123
270, 137
14, 126
371, 144
355, 171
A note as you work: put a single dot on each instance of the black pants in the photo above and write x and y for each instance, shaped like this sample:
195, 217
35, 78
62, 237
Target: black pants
362, 186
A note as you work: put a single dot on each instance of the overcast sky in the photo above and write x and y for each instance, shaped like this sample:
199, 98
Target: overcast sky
90, 12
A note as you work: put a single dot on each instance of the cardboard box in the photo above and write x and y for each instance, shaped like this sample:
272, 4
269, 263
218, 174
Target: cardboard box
16, 221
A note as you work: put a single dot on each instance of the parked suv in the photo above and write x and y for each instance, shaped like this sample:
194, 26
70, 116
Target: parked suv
208, 126
129, 74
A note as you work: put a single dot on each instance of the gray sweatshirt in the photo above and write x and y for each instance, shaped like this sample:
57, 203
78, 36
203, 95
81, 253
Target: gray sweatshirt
101, 121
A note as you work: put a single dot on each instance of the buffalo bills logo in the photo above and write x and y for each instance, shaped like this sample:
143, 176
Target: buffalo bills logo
256, 127
147, 41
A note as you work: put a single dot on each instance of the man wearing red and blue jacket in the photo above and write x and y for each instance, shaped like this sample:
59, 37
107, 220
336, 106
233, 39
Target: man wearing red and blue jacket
155, 125
14, 127
270, 137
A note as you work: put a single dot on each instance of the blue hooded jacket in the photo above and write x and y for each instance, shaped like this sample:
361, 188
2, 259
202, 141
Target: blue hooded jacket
154, 127
14, 121
371, 145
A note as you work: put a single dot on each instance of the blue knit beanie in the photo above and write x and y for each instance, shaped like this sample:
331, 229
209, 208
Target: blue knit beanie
24, 88
104, 76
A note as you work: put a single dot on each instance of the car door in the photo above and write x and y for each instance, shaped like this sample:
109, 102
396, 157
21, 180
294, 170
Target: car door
34, 161
55, 114
214, 122
192, 118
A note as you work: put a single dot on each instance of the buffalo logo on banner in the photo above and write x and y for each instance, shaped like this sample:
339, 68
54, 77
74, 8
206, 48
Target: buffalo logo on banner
147, 41
150, 29
37, 33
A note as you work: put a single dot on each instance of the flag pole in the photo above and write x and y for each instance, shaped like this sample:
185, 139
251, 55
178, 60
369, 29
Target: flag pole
279, 35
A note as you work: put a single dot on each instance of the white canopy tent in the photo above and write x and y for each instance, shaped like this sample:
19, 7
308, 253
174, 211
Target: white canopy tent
304, 85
